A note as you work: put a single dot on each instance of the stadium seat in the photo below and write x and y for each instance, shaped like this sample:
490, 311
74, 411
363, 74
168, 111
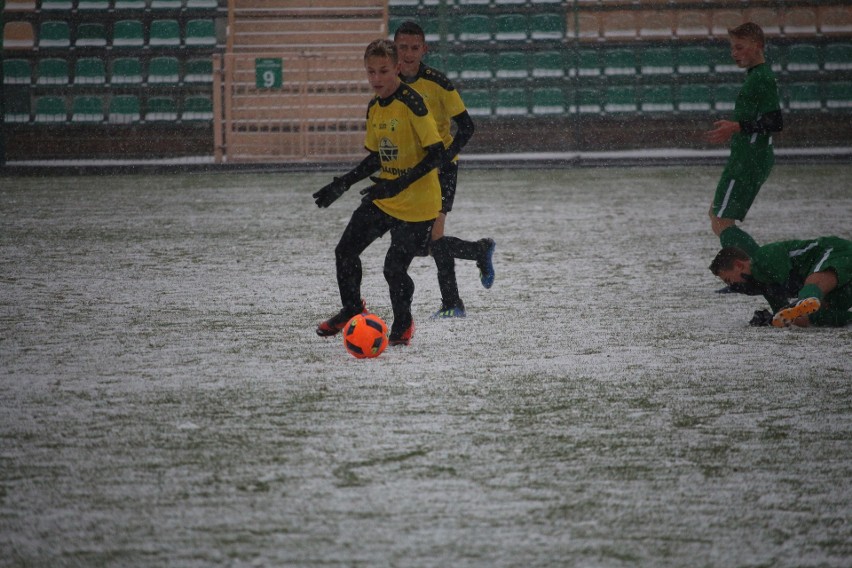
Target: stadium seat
449, 64
621, 99
50, 109
721, 61
403, 7
692, 24
619, 62
92, 5
18, 35
657, 61
129, 5
589, 62
656, 99
723, 20
548, 101
838, 96
126, 70
619, 25
197, 108
692, 60
588, 101
511, 28
54, 34
128, 33
16, 105
725, 96
511, 102
156, 5
769, 19
547, 27
17, 72
474, 28
91, 35
800, 22
202, 4
394, 23
198, 71
200, 33
87, 108
161, 109
586, 29
54, 5
163, 71
432, 29
165, 33
20, 6
837, 56
693, 98
511, 65
52, 71
476, 66
656, 25
89, 71
478, 102
548, 64
124, 109
836, 20
802, 57
803, 96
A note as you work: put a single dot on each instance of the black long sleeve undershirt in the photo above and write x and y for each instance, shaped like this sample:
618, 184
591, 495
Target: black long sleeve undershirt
767, 123
463, 135
363, 170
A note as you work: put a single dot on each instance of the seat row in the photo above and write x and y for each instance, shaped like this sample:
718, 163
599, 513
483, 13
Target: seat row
56, 34
651, 99
118, 109
122, 71
101, 6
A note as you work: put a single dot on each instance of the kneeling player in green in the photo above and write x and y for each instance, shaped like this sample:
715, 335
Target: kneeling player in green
816, 272
757, 114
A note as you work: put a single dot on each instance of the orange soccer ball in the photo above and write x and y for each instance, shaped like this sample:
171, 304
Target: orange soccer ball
365, 336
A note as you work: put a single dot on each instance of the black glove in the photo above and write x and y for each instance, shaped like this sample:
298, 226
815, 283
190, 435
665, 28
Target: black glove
382, 188
329, 194
761, 318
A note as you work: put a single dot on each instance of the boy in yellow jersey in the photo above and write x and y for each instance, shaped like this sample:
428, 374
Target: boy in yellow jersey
403, 142
446, 105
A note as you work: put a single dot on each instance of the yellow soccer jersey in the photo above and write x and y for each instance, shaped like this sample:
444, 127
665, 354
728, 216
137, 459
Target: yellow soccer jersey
399, 128
442, 98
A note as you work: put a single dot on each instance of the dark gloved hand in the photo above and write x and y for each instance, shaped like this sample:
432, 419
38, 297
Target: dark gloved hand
761, 318
329, 194
382, 188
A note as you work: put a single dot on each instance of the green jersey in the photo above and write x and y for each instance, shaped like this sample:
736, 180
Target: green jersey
758, 96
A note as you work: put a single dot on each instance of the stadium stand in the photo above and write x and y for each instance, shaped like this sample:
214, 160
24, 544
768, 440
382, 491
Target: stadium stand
89, 71
17, 72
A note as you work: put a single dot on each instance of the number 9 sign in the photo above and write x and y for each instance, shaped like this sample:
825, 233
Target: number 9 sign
268, 73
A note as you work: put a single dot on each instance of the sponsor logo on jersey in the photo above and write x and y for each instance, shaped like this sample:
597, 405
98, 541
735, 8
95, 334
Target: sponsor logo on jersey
393, 124
388, 151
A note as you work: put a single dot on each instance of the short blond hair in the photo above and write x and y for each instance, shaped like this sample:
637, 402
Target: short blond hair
381, 48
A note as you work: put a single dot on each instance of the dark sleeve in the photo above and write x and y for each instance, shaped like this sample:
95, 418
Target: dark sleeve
769, 122
433, 158
363, 170
463, 134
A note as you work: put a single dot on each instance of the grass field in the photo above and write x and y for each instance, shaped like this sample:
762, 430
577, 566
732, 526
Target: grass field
164, 400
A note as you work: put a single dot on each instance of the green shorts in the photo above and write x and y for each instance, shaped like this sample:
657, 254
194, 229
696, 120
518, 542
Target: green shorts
738, 188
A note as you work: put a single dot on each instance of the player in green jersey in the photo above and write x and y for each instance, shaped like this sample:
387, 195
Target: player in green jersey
403, 142
757, 114
446, 105
816, 272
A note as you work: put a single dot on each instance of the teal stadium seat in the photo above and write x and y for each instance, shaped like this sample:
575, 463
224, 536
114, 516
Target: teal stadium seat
91, 34
721, 62
837, 57
55, 5
725, 96
511, 65
17, 72
54, 34
619, 62
200, 33
802, 58
478, 102
163, 71
128, 33
656, 99
774, 57
202, 4
547, 26
548, 101
124, 109
161, 109
87, 108
476, 66
50, 109
450, 64
198, 71
164, 33
589, 62
511, 28
156, 5
52, 71
803, 96
474, 28
621, 99
129, 5
693, 60
588, 101
403, 8
126, 71
511, 102
693, 98
838, 96
92, 5
547, 64
657, 61
197, 108
16, 105
89, 71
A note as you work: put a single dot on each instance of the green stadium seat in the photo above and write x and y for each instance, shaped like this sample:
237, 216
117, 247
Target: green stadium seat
55, 5
725, 96
548, 64
511, 65
511, 102
163, 71
197, 108
432, 29
478, 102
200, 33
91, 34
87, 108
52, 71
802, 58
126, 71
92, 5
198, 71
619, 62
202, 4
89, 71
17, 72
164, 33
121, 5
588, 101
16, 105
692, 60
548, 101
837, 57
773, 56
547, 26
589, 62
656, 99
693, 98
156, 5
476, 66
474, 28
721, 62
657, 61
803, 96
621, 99
403, 7
161, 109
449, 64
124, 109
511, 27
128, 33
838, 96
54, 34
50, 109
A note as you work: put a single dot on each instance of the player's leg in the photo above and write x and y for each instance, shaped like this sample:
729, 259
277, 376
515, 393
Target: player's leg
407, 241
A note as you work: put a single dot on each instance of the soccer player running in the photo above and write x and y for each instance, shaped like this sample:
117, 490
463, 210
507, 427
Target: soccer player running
403, 142
446, 105
757, 114
816, 272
